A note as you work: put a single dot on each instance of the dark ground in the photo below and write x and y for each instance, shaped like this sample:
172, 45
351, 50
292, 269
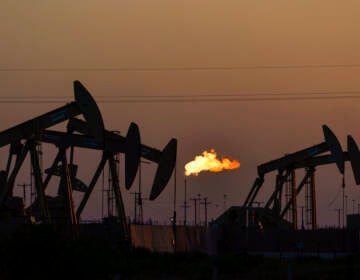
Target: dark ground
39, 253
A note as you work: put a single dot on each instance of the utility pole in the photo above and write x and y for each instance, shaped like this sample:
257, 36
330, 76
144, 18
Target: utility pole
195, 208
138, 198
185, 204
174, 201
110, 195
135, 205
140, 219
346, 210
205, 203
140, 203
174, 212
353, 202
346, 205
110, 201
24, 191
199, 209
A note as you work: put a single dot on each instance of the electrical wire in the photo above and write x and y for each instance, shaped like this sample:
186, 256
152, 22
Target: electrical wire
190, 68
188, 100
255, 94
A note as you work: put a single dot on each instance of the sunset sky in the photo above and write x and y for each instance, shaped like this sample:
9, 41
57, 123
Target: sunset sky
248, 49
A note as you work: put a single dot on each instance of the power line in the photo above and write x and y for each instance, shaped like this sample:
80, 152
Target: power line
15, 97
190, 68
192, 100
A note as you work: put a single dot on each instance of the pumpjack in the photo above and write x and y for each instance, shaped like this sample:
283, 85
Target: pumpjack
165, 159
22, 140
286, 190
24, 137
110, 146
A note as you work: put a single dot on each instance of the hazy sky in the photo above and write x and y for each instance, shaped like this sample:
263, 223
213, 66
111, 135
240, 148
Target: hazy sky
176, 34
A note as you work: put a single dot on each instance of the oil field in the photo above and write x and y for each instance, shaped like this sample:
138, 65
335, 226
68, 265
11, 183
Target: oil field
179, 139
243, 242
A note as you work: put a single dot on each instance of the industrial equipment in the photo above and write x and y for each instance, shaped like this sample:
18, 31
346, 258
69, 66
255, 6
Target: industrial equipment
25, 137
84, 104
166, 158
308, 159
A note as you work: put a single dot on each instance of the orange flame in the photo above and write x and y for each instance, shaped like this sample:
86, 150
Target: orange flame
208, 162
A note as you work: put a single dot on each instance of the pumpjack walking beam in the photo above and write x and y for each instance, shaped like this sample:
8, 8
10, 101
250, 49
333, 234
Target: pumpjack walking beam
83, 104
166, 158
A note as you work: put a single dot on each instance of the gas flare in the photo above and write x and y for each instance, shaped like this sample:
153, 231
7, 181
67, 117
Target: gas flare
208, 162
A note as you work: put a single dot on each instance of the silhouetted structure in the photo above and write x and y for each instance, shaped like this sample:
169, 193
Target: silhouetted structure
281, 205
90, 134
